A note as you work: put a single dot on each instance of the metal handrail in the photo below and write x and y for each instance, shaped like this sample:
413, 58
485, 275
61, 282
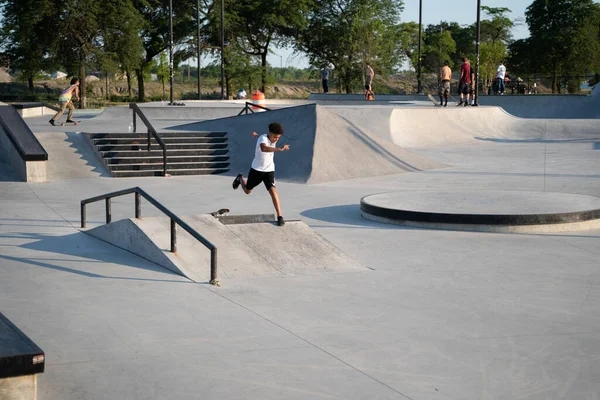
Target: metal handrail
175, 220
151, 131
248, 107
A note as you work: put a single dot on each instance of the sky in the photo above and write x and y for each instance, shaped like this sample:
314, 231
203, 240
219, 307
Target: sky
462, 11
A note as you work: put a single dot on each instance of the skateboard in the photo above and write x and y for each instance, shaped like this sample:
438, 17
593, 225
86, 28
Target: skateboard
222, 212
433, 100
76, 123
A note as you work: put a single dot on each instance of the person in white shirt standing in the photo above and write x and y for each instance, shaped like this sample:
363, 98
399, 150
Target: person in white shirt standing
501, 75
263, 166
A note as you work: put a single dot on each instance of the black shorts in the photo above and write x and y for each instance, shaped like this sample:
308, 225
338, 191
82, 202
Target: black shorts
256, 177
464, 88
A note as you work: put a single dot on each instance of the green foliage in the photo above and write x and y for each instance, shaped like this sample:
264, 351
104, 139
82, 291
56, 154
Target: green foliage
349, 33
25, 35
439, 47
498, 27
564, 40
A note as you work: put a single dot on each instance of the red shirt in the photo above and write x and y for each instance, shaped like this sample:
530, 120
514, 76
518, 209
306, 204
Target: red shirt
465, 73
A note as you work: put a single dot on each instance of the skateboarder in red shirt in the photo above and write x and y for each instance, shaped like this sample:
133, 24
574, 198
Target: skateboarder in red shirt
464, 85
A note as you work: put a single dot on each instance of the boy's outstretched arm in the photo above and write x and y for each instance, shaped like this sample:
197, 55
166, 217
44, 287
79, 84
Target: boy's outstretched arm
254, 134
266, 149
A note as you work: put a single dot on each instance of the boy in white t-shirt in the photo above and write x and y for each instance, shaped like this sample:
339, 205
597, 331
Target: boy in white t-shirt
263, 166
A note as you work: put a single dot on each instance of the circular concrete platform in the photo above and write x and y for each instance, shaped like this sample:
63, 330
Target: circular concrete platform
485, 211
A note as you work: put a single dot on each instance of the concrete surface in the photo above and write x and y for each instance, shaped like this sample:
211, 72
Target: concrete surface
435, 314
15, 166
19, 388
485, 211
245, 248
485, 202
523, 106
323, 146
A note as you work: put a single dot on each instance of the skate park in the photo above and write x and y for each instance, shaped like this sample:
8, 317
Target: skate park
334, 304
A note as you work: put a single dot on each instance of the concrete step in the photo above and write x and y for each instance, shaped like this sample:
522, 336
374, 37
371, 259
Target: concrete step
159, 172
156, 147
170, 159
143, 166
163, 135
182, 140
170, 153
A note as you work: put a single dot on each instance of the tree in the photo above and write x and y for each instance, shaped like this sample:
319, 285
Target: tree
498, 26
24, 35
562, 32
163, 72
256, 25
155, 33
345, 33
439, 47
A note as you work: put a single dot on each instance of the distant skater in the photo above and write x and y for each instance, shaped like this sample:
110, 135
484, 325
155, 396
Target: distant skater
445, 77
501, 75
369, 95
325, 79
66, 101
464, 84
263, 166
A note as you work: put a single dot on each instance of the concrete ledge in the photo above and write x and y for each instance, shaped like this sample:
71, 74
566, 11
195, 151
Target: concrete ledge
35, 109
20, 361
485, 211
246, 219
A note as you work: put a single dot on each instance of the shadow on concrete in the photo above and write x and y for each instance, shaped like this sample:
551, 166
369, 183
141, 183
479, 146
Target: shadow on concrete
86, 153
348, 214
499, 140
90, 250
7, 174
376, 147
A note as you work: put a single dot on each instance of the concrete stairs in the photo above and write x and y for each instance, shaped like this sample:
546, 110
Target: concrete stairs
188, 153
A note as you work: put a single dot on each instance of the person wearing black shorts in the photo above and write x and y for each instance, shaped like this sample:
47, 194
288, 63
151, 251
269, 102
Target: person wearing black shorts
263, 166
464, 85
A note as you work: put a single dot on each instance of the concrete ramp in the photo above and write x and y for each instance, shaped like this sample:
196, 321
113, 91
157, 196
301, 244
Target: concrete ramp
416, 128
244, 250
325, 146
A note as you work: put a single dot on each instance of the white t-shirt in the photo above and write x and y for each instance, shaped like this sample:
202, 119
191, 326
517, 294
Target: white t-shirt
263, 161
501, 71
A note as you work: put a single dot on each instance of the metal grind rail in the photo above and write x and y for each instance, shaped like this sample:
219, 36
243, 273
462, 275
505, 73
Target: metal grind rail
151, 132
175, 220
248, 107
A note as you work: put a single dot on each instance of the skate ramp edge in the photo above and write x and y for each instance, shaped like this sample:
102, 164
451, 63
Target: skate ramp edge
247, 250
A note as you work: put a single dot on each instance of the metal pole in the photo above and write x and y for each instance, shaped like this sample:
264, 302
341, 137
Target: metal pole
222, 49
134, 121
108, 211
173, 236
213, 267
419, 88
171, 48
83, 219
198, 26
138, 205
476, 91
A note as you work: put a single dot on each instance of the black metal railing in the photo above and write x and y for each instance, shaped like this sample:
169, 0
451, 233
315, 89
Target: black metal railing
248, 108
175, 220
151, 132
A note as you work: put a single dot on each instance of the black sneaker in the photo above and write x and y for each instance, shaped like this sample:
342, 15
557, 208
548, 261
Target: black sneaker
466, 104
446, 105
237, 181
280, 221
459, 104
70, 121
52, 122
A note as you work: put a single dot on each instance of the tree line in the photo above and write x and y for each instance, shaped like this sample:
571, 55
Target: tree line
131, 36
